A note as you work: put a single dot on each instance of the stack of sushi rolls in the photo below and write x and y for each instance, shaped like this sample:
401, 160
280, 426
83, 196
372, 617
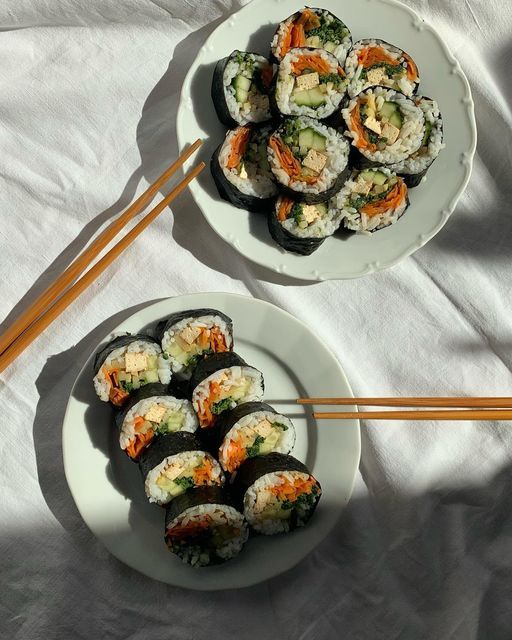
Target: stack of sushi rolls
215, 456
329, 107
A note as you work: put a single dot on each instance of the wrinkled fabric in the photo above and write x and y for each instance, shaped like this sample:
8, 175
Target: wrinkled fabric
89, 92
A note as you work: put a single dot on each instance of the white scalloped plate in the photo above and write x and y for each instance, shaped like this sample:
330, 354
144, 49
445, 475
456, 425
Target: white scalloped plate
107, 486
442, 78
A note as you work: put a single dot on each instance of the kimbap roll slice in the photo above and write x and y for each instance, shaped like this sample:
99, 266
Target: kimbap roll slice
278, 492
385, 126
152, 411
240, 88
300, 227
252, 429
308, 159
241, 170
203, 527
312, 27
309, 82
222, 382
415, 167
127, 363
188, 336
371, 199
376, 62
174, 463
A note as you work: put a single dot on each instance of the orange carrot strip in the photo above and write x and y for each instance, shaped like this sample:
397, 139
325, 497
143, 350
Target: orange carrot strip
238, 146
392, 200
285, 207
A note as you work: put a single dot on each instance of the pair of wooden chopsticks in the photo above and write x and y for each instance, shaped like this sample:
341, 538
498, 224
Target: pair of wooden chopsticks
52, 302
462, 408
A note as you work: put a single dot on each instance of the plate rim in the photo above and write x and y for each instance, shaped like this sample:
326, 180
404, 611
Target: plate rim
423, 238
66, 461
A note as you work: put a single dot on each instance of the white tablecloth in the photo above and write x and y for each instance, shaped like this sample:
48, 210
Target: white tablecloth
88, 98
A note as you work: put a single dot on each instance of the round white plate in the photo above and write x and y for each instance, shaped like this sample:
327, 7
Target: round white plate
431, 203
107, 487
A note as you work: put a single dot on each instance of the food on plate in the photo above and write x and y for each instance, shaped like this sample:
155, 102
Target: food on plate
249, 430
174, 463
222, 382
308, 159
385, 126
371, 199
300, 227
203, 527
415, 167
310, 82
312, 27
376, 62
278, 493
188, 336
240, 88
149, 412
127, 363
241, 169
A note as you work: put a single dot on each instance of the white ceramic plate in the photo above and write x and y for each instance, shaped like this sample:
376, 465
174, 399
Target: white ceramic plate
107, 487
431, 203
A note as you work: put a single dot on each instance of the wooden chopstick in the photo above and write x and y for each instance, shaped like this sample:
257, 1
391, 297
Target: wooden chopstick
81, 263
438, 401
37, 327
463, 414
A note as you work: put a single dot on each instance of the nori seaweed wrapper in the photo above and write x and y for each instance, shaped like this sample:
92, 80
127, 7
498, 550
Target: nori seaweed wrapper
289, 242
196, 496
174, 318
165, 445
213, 363
146, 391
229, 192
253, 468
116, 343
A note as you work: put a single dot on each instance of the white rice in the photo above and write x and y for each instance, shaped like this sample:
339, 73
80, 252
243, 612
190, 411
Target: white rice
340, 52
286, 82
411, 133
257, 497
101, 382
141, 409
257, 108
353, 69
322, 227
247, 424
220, 515
421, 159
258, 183
255, 390
359, 221
186, 460
337, 151
202, 322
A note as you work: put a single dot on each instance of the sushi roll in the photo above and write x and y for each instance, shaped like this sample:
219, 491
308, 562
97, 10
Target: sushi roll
312, 27
415, 167
372, 199
240, 87
300, 227
203, 527
127, 363
222, 382
252, 429
149, 412
174, 463
376, 62
188, 336
241, 170
278, 493
308, 159
385, 127
309, 82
